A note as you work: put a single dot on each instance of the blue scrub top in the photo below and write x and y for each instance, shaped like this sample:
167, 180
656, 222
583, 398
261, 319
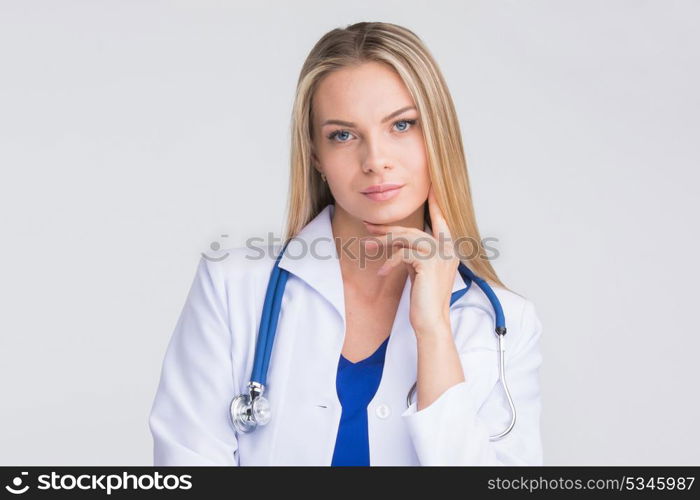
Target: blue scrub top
356, 384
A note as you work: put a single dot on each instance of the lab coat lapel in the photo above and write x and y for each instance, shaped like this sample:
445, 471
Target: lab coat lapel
312, 256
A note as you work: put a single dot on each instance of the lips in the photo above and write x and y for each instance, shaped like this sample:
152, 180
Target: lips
382, 192
380, 188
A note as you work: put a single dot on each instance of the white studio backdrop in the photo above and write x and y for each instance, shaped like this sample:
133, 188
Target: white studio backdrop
133, 134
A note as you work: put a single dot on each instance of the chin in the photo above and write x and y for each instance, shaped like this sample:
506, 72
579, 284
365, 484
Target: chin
387, 213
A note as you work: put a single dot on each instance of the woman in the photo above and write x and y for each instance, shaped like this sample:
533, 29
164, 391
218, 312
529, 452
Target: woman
378, 185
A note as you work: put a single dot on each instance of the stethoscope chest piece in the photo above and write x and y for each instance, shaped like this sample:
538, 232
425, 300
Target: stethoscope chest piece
250, 410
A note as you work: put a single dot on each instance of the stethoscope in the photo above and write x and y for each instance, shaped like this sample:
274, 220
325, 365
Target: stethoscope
253, 409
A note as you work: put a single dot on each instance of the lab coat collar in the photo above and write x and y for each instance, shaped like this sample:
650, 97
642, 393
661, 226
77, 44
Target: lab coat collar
312, 256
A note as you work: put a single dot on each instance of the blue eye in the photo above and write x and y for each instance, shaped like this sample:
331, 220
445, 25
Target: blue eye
410, 122
336, 133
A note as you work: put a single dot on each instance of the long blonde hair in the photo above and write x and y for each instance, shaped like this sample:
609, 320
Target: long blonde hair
403, 51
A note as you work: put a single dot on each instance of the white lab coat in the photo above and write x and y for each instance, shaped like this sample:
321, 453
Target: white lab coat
209, 360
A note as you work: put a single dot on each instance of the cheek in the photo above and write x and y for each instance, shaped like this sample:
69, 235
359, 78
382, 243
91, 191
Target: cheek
339, 173
416, 162
333, 158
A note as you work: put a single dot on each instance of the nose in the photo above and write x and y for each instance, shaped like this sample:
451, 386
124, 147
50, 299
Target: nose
375, 160
375, 168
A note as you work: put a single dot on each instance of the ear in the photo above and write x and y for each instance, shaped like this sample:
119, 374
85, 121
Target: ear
314, 162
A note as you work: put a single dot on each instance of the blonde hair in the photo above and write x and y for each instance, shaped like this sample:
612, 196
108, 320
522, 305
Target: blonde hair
402, 50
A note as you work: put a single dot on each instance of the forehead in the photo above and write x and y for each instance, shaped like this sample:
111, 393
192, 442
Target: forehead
364, 93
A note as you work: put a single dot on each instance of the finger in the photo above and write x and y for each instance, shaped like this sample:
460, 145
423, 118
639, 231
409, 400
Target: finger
378, 229
402, 256
382, 232
441, 231
436, 217
419, 240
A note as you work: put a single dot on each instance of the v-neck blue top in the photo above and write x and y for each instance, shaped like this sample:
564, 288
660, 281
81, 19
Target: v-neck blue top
356, 384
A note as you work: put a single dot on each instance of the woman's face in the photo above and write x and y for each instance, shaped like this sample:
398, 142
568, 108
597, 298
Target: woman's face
367, 132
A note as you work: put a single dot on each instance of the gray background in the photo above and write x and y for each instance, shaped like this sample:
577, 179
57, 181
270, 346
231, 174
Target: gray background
133, 134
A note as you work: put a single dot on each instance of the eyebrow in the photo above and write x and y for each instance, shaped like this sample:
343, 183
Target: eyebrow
351, 124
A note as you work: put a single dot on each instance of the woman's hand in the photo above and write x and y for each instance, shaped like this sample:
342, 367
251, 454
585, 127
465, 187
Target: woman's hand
432, 267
